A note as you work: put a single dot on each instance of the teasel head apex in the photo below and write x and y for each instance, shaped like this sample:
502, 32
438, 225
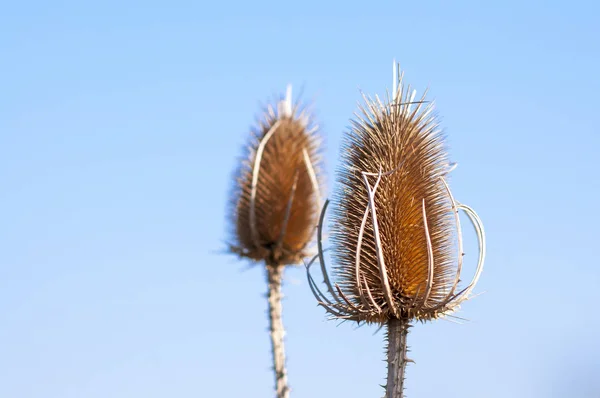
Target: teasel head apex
276, 195
396, 232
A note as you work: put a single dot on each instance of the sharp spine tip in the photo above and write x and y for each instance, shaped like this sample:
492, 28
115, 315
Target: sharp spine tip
288, 101
394, 81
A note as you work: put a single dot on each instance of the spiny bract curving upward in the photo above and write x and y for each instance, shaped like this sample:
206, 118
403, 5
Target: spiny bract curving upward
276, 200
396, 232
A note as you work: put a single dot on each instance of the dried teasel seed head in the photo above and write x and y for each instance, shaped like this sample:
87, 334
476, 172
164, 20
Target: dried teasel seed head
276, 196
396, 232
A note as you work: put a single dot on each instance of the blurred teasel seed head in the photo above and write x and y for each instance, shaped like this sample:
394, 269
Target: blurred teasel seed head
276, 198
396, 232
275, 206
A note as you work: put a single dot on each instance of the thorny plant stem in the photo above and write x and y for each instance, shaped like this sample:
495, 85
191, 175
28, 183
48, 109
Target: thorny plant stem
274, 278
396, 357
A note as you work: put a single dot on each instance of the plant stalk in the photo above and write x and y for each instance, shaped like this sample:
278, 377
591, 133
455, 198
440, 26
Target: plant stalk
274, 278
396, 357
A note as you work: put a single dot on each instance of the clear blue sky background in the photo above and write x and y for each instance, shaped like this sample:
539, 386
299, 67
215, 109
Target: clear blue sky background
120, 123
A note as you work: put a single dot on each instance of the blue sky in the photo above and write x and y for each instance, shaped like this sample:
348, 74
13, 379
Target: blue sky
120, 124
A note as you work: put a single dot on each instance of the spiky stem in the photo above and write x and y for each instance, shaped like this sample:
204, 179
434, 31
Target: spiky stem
396, 357
274, 278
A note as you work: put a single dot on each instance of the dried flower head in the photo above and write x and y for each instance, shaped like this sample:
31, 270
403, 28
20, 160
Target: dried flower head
276, 200
396, 230
275, 205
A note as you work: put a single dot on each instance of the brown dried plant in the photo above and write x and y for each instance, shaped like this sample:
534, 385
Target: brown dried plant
396, 229
275, 205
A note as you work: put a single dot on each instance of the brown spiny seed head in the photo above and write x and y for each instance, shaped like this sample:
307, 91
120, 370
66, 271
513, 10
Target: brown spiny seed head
401, 145
275, 200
